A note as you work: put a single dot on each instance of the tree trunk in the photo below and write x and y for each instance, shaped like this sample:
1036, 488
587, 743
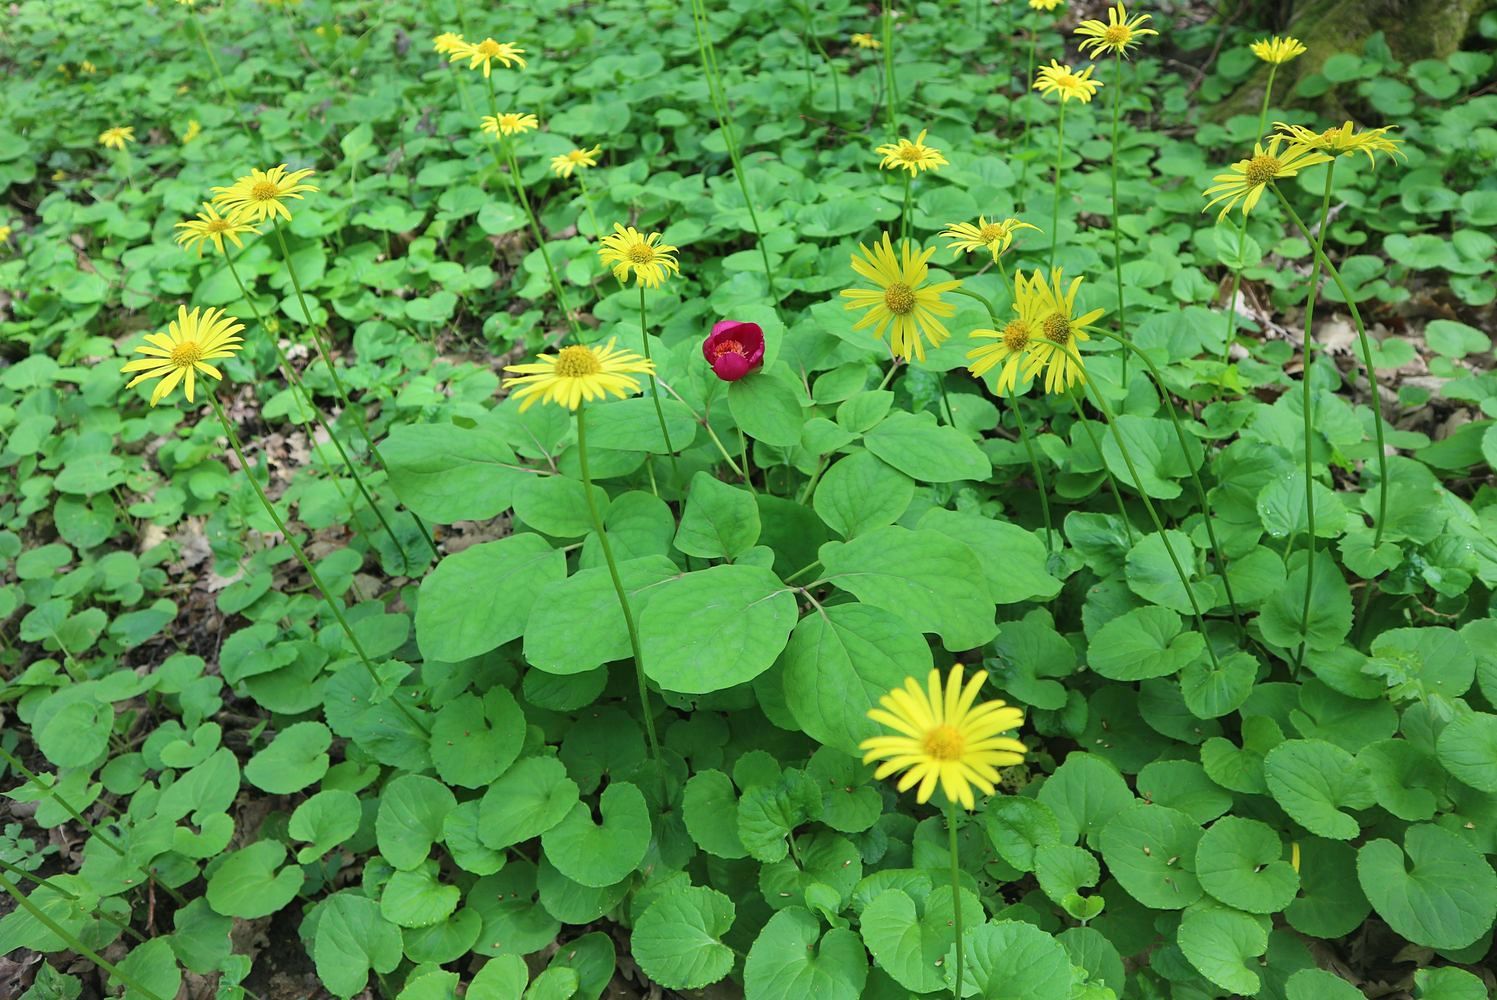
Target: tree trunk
1414, 29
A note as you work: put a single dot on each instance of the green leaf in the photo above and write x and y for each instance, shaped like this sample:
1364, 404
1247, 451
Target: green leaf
1240, 862
1315, 782
416, 898
1282, 617
1013, 960
1151, 851
1085, 793
860, 492
921, 576
1330, 903
1467, 748
1017, 826
1213, 690
246, 883
1224, 945
791, 959
1155, 450
326, 820
709, 807
720, 521
1143, 643
529, 799
840, 661
601, 854
352, 937
1318, 984
1013, 560
577, 625
473, 741
1447, 900
481, 597
1454, 339
767, 408
633, 425
501, 978
296, 758
151, 969
926, 451
411, 810
677, 940
769, 814
1152, 575
1443, 983
1281, 508
910, 936
557, 505
715, 628
446, 472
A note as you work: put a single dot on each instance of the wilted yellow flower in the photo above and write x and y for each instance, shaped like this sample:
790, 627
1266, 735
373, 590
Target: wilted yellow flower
1053, 349
1278, 50
576, 374
995, 237
1344, 140
912, 156
194, 129
1044, 4
115, 138
1013, 341
943, 738
191, 341
1116, 35
902, 302
260, 194
577, 159
627, 249
210, 227
488, 51
1063, 80
447, 42
509, 123
1246, 179
863, 40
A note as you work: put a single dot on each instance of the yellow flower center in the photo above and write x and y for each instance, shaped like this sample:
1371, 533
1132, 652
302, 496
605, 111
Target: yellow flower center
265, 191
1117, 35
1016, 335
899, 297
1057, 329
641, 253
945, 743
991, 232
1262, 168
186, 353
577, 362
910, 153
216, 226
488, 48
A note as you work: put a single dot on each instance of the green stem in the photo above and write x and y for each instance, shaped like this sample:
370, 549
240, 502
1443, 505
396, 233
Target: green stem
1195, 476
1034, 465
892, 102
1117, 223
306, 563
222, 83
72, 941
1169, 549
644, 336
1026, 97
1273, 68
744, 472
1366, 348
587, 199
305, 396
22, 873
327, 359
1308, 406
904, 212
623, 595
956, 896
1060, 149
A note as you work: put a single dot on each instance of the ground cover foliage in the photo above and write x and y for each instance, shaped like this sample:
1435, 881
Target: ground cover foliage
304, 698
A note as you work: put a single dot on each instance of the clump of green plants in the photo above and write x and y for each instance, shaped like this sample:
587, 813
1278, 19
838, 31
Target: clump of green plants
774, 500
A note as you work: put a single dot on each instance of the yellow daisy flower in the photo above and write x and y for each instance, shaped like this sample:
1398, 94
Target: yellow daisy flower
1116, 35
1054, 349
943, 738
194, 129
87, 68
627, 249
486, 52
577, 373
5, 234
863, 40
1344, 140
509, 123
1063, 80
577, 159
1044, 4
1278, 50
210, 227
260, 194
116, 137
1013, 341
191, 341
912, 156
1247, 178
995, 237
902, 302
447, 42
